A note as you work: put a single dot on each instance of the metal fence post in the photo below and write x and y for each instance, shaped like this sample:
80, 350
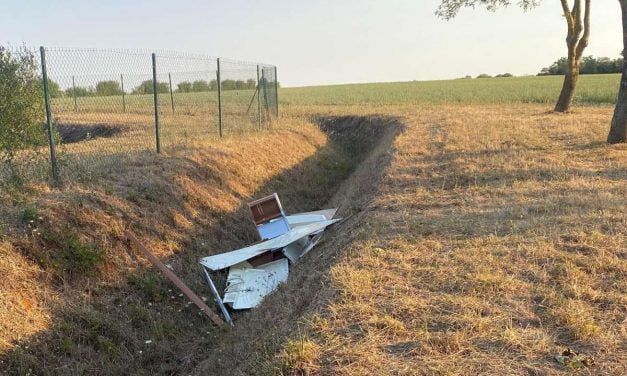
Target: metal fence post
53, 157
171, 94
219, 100
156, 100
265, 94
258, 98
74, 92
276, 91
123, 94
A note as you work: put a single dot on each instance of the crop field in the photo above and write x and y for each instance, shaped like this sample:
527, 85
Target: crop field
484, 234
593, 89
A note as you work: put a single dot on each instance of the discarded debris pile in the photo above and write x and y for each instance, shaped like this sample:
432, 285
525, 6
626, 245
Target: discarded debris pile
257, 270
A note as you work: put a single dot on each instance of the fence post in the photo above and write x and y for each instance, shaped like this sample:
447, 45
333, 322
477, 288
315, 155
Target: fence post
219, 100
156, 100
74, 92
123, 94
265, 94
258, 98
171, 95
53, 157
276, 91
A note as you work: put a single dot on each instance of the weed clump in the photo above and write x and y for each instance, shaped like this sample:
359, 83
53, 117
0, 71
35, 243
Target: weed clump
29, 214
70, 255
150, 285
299, 357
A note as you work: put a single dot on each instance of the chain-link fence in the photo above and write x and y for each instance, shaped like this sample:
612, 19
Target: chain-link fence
104, 105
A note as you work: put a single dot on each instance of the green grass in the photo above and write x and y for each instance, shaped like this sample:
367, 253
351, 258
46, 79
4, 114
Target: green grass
73, 257
592, 89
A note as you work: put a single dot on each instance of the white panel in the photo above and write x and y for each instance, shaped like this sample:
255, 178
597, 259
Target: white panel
247, 287
302, 219
224, 260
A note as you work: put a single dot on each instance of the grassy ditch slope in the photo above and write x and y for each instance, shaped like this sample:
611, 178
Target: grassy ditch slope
75, 300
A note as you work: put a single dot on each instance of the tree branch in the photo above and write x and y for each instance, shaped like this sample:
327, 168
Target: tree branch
578, 25
567, 14
448, 9
583, 42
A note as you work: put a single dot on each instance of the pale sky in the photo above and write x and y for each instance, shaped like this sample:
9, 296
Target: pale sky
318, 42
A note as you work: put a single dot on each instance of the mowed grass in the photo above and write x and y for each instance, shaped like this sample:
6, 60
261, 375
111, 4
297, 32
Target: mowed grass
496, 242
593, 89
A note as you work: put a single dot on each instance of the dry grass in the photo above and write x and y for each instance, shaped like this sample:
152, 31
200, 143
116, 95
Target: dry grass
300, 355
25, 301
497, 240
75, 300
485, 240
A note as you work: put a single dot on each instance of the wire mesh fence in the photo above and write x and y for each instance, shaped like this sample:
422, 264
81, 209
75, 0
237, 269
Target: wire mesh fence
105, 105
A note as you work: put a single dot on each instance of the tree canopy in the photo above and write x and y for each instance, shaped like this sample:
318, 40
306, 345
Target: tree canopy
184, 87
589, 65
200, 85
108, 88
80, 91
146, 87
448, 9
54, 89
21, 104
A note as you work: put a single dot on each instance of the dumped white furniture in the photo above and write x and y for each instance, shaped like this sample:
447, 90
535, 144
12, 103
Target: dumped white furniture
257, 270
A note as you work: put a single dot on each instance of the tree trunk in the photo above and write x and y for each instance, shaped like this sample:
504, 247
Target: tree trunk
576, 43
568, 89
618, 130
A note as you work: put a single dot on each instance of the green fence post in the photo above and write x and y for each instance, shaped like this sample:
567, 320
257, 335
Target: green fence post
171, 95
219, 100
156, 100
276, 91
123, 94
74, 92
53, 157
258, 98
264, 80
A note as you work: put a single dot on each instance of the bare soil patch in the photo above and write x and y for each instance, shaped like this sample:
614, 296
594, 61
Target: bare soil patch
72, 133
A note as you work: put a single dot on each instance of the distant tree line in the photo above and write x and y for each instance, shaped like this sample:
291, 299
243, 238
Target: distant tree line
485, 75
146, 87
109, 88
502, 75
589, 65
200, 85
197, 86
